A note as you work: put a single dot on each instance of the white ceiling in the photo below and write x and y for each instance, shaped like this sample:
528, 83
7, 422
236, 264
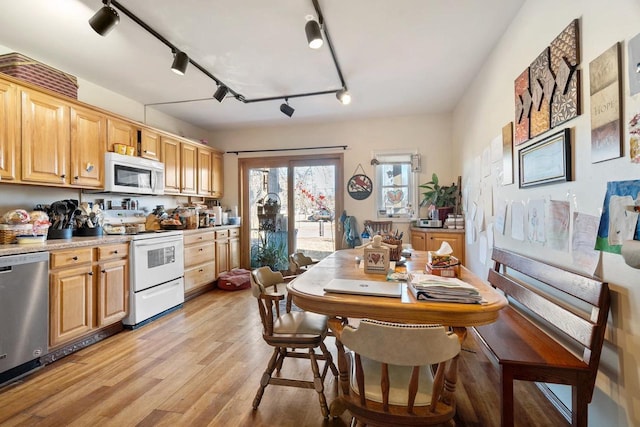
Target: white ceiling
398, 57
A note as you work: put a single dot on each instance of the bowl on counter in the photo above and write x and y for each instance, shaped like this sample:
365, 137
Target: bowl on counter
86, 231
234, 220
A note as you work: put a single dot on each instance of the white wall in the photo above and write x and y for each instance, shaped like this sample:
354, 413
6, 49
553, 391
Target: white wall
430, 135
489, 105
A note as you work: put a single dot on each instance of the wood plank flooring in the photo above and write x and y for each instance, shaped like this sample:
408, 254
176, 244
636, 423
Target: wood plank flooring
201, 366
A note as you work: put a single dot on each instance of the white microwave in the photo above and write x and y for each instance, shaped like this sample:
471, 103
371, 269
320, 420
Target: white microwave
134, 175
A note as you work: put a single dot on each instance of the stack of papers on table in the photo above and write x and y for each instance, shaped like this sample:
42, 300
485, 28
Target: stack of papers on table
428, 287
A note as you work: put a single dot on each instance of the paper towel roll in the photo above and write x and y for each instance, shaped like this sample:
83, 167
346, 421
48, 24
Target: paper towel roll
217, 210
631, 252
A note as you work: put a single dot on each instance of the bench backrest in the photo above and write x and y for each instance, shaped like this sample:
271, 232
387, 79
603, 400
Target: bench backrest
586, 329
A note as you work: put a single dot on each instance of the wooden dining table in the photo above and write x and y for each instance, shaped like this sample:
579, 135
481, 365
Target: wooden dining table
307, 292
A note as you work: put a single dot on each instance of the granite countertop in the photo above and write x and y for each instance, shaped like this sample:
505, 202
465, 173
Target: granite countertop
214, 228
55, 244
438, 230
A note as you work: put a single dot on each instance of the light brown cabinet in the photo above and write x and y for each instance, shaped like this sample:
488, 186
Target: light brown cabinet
204, 172
9, 131
199, 260
430, 240
88, 144
121, 132
149, 144
45, 138
170, 156
188, 169
227, 250
88, 290
217, 175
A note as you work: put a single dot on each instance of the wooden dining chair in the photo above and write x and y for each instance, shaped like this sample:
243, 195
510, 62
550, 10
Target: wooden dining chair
378, 227
391, 381
290, 333
300, 262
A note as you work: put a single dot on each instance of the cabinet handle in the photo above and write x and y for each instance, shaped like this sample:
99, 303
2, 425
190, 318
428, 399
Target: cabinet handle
104, 271
63, 176
75, 258
90, 273
115, 252
200, 249
150, 152
75, 178
201, 270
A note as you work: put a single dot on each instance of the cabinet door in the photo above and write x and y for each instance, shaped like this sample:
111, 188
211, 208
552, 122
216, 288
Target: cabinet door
88, 144
217, 175
45, 139
418, 241
222, 256
121, 132
234, 253
435, 239
204, 172
188, 165
171, 159
113, 292
70, 304
8, 132
150, 144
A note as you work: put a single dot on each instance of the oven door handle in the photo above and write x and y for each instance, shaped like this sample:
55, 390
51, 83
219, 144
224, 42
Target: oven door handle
156, 243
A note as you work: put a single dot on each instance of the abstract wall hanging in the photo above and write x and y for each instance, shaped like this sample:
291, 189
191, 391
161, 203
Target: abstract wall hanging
606, 105
547, 94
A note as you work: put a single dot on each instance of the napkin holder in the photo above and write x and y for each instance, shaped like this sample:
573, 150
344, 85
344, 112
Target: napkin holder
376, 259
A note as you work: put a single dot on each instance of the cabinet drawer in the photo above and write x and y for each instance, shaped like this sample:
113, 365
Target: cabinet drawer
222, 234
70, 257
198, 254
234, 232
198, 276
120, 250
206, 236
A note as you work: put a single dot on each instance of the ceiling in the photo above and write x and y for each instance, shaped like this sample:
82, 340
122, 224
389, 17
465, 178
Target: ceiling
397, 57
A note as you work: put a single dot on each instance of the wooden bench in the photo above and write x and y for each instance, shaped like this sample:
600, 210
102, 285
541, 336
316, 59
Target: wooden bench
555, 311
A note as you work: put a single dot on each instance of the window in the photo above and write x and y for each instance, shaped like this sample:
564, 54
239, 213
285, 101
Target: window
396, 185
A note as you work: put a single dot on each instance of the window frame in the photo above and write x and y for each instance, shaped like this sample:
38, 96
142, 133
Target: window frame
395, 157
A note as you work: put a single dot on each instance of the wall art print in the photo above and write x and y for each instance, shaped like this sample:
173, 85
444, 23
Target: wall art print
507, 154
606, 105
541, 85
547, 94
565, 57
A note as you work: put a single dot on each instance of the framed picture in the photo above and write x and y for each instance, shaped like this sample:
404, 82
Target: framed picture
546, 162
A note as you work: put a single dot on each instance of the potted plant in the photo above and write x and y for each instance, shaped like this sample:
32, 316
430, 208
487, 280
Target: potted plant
444, 198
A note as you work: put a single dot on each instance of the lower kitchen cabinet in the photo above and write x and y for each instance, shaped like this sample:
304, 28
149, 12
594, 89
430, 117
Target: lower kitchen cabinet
199, 260
227, 250
431, 239
88, 290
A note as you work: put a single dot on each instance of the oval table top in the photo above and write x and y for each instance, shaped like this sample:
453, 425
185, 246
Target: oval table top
308, 294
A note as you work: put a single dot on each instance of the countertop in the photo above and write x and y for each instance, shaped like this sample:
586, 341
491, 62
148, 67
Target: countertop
77, 242
437, 230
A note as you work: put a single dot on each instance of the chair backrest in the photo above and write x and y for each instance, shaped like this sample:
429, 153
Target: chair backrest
420, 344
264, 286
391, 367
378, 227
268, 280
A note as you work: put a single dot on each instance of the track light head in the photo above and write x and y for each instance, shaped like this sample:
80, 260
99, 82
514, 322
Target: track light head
286, 108
221, 92
343, 96
314, 37
104, 20
180, 62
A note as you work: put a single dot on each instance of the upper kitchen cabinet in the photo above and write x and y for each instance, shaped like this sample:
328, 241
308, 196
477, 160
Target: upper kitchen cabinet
45, 138
149, 144
121, 132
217, 175
88, 145
9, 129
204, 172
189, 166
170, 156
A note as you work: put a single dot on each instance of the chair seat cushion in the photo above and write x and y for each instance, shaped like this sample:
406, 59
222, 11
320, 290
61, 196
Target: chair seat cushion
399, 377
300, 323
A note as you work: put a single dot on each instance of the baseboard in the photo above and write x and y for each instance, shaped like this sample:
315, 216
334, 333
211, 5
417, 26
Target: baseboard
557, 403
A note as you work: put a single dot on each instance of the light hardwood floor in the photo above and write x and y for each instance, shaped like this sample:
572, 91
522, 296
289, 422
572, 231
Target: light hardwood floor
201, 365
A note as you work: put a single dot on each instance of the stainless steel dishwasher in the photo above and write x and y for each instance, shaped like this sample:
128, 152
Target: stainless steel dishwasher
24, 313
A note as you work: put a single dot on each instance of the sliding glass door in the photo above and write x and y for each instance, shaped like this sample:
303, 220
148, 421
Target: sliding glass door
289, 204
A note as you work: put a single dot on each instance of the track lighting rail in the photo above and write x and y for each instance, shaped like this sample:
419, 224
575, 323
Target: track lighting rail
221, 85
